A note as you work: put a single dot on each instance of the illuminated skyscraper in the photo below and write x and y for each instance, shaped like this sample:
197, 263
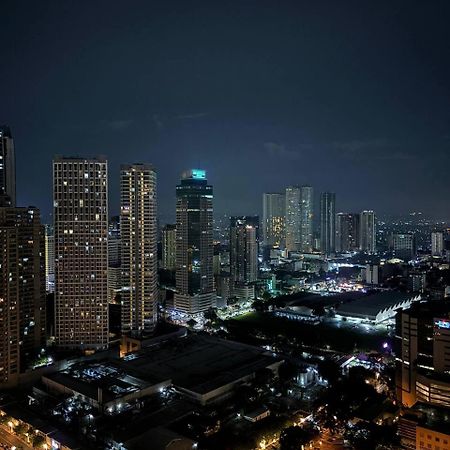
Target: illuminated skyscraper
273, 224
169, 246
437, 243
22, 290
49, 259
306, 218
138, 228
7, 168
244, 249
80, 198
327, 222
293, 218
347, 232
195, 250
367, 234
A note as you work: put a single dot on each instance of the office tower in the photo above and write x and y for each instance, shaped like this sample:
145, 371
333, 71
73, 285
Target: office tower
274, 211
403, 246
7, 168
327, 222
423, 354
80, 199
367, 233
306, 218
347, 232
169, 247
22, 290
114, 259
293, 218
49, 259
437, 243
244, 249
195, 249
138, 228
372, 273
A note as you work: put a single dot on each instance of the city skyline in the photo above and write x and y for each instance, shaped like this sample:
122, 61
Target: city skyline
284, 93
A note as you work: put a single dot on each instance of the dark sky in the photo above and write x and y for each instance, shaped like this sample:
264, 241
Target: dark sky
348, 96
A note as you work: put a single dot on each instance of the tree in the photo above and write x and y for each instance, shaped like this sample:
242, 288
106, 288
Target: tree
287, 371
259, 305
329, 370
20, 429
210, 314
38, 440
293, 438
263, 377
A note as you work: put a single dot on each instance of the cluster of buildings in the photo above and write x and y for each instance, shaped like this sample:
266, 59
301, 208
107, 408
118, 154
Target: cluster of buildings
288, 224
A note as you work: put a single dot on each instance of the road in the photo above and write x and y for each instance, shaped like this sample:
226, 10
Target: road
12, 441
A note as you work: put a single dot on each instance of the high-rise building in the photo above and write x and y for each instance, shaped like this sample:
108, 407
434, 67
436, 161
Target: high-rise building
7, 168
244, 249
437, 243
367, 233
273, 224
22, 290
194, 263
423, 354
138, 228
169, 246
80, 199
327, 222
347, 232
306, 218
403, 245
293, 218
114, 259
49, 259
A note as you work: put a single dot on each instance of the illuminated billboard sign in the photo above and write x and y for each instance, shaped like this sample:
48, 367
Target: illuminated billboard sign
442, 323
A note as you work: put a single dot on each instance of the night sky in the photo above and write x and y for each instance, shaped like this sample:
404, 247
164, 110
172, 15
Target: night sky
352, 97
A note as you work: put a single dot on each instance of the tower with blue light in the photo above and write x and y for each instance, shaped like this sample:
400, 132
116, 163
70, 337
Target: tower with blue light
194, 237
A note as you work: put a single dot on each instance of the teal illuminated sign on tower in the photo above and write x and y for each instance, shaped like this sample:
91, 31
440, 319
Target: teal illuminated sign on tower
198, 174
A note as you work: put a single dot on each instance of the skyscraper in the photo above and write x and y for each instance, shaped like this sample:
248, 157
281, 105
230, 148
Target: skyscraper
80, 198
195, 250
306, 218
49, 259
114, 259
7, 168
293, 218
169, 246
273, 224
367, 234
139, 248
347, 232
423, 354
244, 249
327, 222
437, 243
22, 290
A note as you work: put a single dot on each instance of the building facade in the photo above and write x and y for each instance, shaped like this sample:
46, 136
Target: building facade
293, 218
328, 223
7, 168
437, 243
347, 232
244, 249
138, 228
403, 246
49, 259
273, 224
169, 247
306, 218
367, 233
423, 354
22, 290
80, 214
194, 261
